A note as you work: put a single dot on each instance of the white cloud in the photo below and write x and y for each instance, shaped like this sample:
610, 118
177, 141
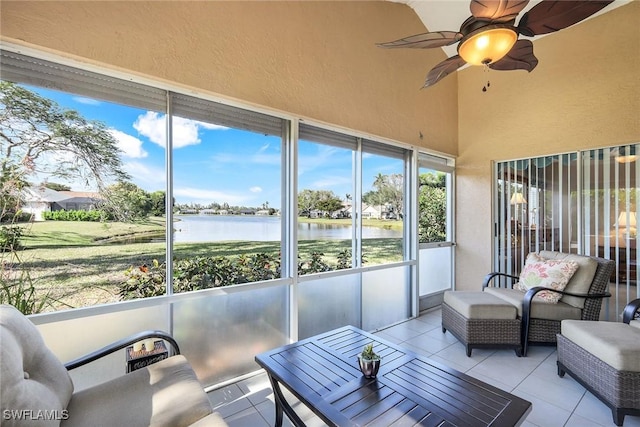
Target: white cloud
256, 189
86, 101
129, 145
208, 196
323, 156
331, 182
185, 132
146, 177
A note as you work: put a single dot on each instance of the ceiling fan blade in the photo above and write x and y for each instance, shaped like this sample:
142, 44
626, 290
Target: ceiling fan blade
443, 69
497, 10
520, 57
552, 15
425, 41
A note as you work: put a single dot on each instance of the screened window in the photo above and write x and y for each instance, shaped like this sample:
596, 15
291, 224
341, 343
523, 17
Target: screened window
383, 203
326, 184
83, 199
227, 176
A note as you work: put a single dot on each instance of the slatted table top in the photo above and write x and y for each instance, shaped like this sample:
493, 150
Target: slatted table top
322, 371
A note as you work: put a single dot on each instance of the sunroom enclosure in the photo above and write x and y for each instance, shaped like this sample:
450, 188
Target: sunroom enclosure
220, 329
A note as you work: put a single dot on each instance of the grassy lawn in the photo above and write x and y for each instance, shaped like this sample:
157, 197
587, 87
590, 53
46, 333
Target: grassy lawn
73, 264
367, 222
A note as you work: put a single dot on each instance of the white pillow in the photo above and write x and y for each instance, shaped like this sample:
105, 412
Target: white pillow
551, 274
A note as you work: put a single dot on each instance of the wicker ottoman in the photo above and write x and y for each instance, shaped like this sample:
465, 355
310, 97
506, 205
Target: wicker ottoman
605, 358
481, 320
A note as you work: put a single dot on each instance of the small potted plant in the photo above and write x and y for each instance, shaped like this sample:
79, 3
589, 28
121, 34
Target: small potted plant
369, 362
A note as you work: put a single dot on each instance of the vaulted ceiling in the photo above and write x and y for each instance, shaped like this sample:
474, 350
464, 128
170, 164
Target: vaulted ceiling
448, 15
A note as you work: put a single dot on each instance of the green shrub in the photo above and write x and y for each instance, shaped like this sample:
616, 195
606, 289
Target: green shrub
95, 215
202, 272
314, 265
10, 238
17, 289
143, 281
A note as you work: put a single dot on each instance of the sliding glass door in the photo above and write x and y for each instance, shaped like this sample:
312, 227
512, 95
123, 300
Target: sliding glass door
584, 202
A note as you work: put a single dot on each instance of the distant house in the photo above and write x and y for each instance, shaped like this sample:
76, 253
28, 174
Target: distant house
263, 212
370, 212
37, 200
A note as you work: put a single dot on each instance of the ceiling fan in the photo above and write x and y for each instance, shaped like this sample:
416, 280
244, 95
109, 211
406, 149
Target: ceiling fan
489, 36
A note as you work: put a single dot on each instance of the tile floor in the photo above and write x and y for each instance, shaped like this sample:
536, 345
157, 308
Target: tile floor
556, 401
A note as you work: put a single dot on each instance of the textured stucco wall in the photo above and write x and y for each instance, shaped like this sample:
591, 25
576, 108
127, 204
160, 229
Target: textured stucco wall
584, 93
318, 60
311, 59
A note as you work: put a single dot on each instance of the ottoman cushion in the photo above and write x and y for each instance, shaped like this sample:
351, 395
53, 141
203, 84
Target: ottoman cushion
617, 344
479, 305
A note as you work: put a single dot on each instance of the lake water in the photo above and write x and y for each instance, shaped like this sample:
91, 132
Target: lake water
211, 228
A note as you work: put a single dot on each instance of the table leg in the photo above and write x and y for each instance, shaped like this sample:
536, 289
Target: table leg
283, 406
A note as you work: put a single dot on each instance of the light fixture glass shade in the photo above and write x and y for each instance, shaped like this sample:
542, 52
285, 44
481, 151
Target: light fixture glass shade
626, 159
517, 199
488, 46
622, 219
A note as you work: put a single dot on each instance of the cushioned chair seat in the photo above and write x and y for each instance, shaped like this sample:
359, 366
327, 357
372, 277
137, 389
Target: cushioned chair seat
166, 394
33, 380
479, 305
541, 319
616, 344
481, 320
539, 309
603, 357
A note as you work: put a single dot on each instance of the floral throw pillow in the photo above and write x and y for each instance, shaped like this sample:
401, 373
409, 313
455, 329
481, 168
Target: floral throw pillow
553, 274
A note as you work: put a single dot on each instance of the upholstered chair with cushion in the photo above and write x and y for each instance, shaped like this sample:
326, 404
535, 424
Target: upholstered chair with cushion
567, 286
603, 357
36, 389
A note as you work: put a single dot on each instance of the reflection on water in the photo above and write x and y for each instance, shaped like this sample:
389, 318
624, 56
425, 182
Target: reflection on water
216, 228
211, 228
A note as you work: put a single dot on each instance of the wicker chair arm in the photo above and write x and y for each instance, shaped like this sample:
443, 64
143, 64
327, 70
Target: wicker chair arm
119, 345
528, 298
489, 277
533, 291
631, 311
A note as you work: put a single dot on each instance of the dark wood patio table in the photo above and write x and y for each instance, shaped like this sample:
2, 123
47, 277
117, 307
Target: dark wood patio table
322, 372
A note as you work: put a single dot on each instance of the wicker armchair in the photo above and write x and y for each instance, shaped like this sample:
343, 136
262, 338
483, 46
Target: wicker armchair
603, 357
540, 320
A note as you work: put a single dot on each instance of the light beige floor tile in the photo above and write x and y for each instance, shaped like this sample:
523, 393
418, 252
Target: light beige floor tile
544, 413
401, 332
421, 327
229, 400
257, 389
562, 395
591, 408
248, 418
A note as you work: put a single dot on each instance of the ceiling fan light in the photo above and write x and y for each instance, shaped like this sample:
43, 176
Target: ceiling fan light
487, 45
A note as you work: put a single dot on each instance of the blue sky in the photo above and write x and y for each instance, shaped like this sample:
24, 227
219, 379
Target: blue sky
213, 163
